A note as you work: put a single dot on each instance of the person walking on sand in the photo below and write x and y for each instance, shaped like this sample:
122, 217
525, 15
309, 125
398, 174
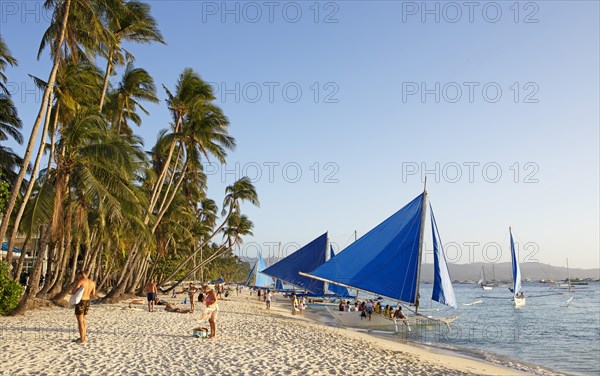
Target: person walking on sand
151, 295
211, 311
268, 299
82, 308
191, 292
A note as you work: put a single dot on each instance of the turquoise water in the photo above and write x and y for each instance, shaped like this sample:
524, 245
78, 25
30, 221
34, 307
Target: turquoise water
547, 332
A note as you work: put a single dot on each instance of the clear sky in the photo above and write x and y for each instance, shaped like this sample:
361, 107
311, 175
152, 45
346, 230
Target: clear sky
339, 109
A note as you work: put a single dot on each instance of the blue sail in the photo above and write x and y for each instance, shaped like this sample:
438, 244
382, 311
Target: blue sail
385, 261
250, 275
337, 289
262, 280
305, 259
515, 266
443, 292
278, 285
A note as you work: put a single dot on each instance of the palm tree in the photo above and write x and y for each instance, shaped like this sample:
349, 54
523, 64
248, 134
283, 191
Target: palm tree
10, 124
131, 22
190, 91
238, 225
240, 191
5, 59
136, 85
59, 22
76, 84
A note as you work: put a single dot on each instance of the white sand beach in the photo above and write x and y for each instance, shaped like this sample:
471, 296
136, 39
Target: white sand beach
251, 341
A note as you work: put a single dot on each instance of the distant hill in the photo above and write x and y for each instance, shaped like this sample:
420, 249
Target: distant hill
503, 271
534, 270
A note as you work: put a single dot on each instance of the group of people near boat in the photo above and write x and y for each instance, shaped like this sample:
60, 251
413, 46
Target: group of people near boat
367, 308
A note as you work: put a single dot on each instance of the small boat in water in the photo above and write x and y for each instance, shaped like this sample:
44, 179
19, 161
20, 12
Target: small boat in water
482, 281
518, 296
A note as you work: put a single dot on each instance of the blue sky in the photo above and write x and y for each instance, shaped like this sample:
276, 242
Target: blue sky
336, 96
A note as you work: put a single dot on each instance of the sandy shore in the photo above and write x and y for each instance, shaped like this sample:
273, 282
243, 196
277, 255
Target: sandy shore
251, 341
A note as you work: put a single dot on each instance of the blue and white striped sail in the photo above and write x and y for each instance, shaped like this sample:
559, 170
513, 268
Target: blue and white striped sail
443, 292
516, 271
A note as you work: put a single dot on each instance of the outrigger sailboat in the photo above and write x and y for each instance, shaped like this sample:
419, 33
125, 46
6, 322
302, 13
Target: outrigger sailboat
386, 262
307, 258
518, 296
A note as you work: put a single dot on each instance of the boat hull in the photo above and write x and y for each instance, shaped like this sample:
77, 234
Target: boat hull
381, 323
519, 302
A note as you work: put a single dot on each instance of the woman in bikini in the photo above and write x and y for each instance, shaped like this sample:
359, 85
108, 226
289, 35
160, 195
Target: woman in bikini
211, 311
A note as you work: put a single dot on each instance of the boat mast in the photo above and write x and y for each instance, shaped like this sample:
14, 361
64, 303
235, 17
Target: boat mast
327, 257
568, 277
356, 297
423, 211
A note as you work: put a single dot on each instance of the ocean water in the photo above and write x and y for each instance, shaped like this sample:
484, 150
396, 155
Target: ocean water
548, 332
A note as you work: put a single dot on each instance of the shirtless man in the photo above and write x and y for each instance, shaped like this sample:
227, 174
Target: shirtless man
82, 308
151, 293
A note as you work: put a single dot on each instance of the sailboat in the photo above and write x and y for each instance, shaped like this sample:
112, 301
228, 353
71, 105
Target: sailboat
307, 258
386, 262
261, 280
482, 281
518, 297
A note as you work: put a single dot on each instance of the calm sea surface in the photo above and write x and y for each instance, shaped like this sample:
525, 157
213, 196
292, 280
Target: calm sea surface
547, 332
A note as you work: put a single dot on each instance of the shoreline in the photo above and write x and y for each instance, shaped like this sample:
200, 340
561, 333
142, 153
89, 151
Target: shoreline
251, 341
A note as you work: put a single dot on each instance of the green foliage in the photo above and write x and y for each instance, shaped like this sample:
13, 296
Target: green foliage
4, 193
230, 268
10, 291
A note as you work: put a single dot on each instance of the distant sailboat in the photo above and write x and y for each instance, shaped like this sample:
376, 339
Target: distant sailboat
386, 262
518, 296
482, 281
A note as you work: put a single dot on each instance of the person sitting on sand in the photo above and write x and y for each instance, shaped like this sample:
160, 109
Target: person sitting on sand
341, 306
171, 308
211, 310
151, 295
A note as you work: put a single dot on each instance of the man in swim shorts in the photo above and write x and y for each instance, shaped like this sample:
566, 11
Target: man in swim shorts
82, 308
151, 293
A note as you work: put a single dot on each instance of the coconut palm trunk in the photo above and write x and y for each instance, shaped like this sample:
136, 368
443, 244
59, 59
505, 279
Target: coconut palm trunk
38, 121
30, 186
